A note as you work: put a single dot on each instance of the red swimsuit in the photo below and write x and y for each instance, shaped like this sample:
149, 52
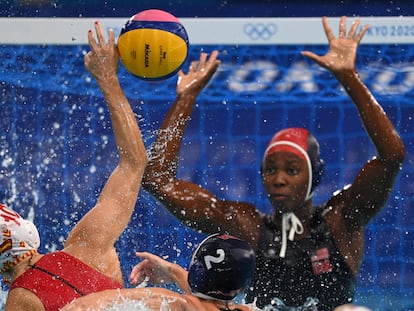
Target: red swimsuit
58, 278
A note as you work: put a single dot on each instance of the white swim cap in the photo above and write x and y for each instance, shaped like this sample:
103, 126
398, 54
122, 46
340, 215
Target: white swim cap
19, 238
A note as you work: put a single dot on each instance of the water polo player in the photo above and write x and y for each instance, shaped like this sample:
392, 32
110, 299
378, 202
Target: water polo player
221, 268
302, 250
89, 261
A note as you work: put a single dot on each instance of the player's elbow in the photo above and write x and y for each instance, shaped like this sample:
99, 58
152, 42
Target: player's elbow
397, 156
157, 182
393, 161
136, 161
401, 154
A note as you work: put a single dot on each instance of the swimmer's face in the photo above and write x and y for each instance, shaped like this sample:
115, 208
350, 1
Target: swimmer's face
285, 176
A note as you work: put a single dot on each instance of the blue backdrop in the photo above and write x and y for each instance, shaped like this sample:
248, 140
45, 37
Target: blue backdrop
57, 147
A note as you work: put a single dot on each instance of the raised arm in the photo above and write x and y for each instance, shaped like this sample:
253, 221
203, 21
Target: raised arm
190, 203
102, 225
371, 188
162, 167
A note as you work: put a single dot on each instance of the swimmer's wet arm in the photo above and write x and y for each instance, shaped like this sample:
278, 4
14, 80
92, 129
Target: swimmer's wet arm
189, 202
341, 61
371, 188
180, 277
118, 197
160, 177
102, 62
174, 273
201, 210
385, 137
164, 152
156, 270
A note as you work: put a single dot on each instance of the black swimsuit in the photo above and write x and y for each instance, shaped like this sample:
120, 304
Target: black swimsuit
313, 267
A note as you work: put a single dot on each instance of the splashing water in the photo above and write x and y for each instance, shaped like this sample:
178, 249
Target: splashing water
127, 305
124, 304
278, 305
3, 296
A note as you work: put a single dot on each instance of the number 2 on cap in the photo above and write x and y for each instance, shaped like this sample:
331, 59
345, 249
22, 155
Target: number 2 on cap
211, 259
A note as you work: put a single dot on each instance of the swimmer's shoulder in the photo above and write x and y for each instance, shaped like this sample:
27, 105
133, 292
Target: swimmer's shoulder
22, 299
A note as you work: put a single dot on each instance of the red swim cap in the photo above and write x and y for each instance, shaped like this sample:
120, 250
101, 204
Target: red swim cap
289, 140
302, 143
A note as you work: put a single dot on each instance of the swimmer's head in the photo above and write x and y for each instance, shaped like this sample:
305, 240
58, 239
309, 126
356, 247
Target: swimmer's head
351, 307
19, 238
302, 143
222, 266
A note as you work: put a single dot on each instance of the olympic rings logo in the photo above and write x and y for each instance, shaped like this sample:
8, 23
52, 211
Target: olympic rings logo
260, 30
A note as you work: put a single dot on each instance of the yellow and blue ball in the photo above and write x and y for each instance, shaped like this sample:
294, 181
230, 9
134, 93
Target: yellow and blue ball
153, 45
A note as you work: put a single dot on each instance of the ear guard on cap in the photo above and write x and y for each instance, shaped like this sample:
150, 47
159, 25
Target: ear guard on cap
318, 169
318, 165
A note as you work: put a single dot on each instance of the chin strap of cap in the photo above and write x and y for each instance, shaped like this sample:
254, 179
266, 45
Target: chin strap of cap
292, 224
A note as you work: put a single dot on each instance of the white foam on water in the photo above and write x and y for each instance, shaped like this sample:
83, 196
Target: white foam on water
122, 305
125, 304
3, 297
128, 305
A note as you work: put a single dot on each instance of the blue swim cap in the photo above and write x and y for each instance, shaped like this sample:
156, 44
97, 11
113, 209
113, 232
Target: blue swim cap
222, 266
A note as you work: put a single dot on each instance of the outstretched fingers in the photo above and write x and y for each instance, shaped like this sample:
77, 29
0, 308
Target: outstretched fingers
137, 275
199, 74
99, 40
99, 33
353, 31
361, 34
357, 36
111, 37
354, 28
202, 61
213, 61
328, 29
205, 62
91, 40
194, 65
311, 55
342, 27
200, 64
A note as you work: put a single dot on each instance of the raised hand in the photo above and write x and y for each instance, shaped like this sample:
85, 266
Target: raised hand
199, 74
342, 51
152, 269
103, 59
